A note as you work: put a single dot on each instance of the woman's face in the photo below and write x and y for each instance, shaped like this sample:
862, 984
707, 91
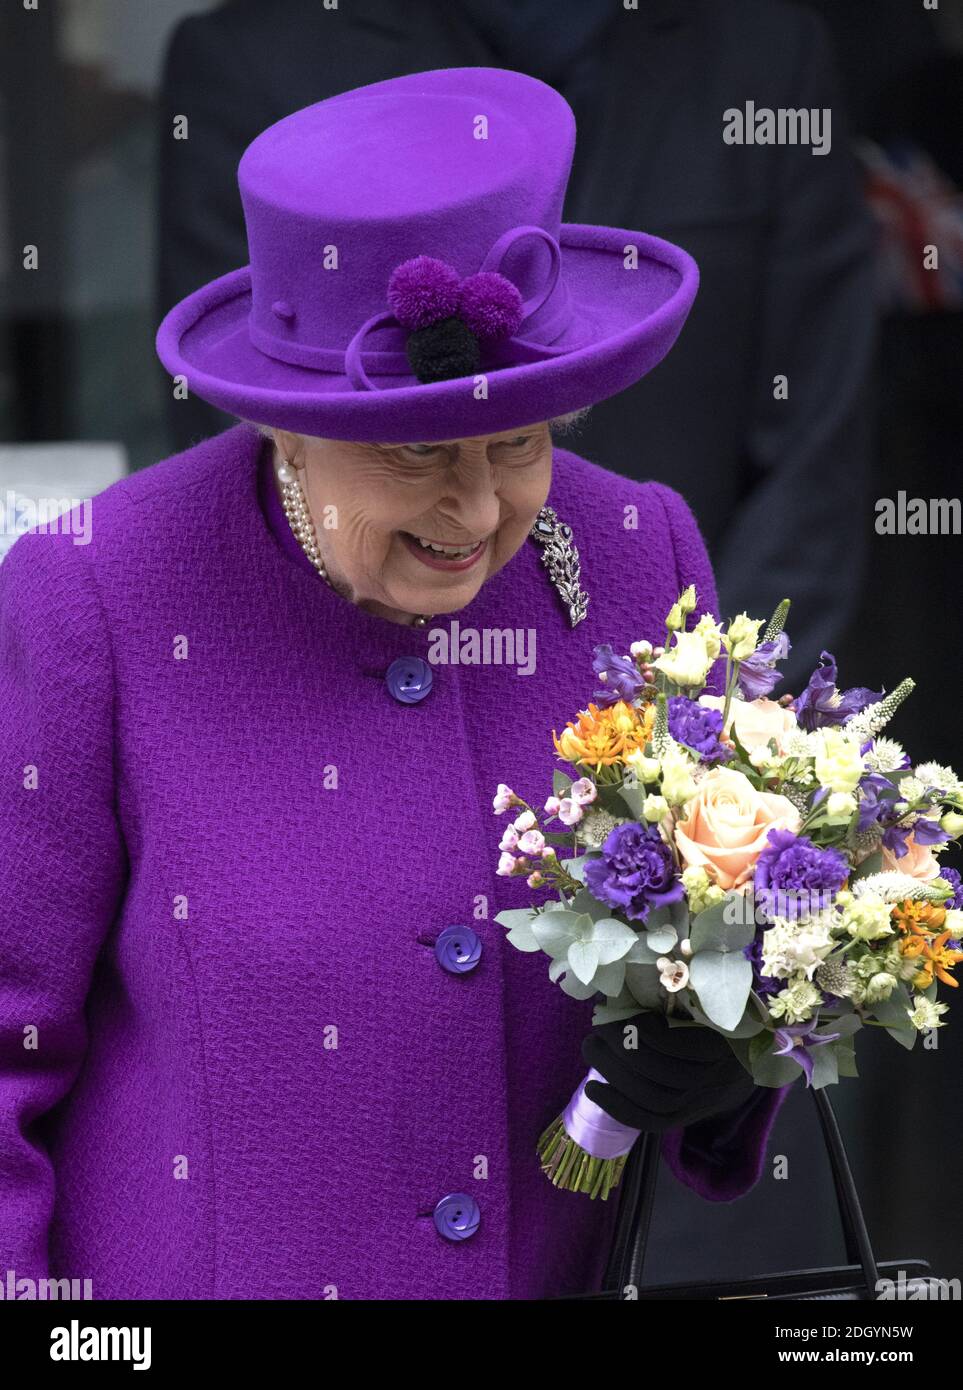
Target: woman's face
374, 505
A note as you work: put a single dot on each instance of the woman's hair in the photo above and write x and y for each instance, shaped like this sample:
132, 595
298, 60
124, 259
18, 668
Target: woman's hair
561, 425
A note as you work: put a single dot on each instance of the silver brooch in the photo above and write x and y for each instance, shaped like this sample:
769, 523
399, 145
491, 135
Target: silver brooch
560, 558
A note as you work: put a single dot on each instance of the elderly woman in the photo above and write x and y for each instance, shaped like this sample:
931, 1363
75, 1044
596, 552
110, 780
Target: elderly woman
260, 1036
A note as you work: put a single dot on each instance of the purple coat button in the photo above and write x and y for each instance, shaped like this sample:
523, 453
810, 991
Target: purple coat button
457, 1216
409, 679
458, 950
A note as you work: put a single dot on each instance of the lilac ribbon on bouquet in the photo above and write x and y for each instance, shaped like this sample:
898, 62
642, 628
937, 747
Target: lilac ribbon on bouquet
592, 1128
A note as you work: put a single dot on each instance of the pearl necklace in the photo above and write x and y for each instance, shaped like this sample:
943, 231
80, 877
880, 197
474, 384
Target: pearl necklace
298, 514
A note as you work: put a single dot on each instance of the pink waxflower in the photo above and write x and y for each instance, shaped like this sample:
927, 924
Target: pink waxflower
552, 805
535, 880
506, 865
503, 799
525, 821
510, 838
532, 842
583, 791
569, 811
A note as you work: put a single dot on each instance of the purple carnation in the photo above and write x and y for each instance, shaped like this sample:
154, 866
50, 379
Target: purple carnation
636, 871
757, 674
794, 877
762, 984
821, 703
699, 727
952, 877
622, 678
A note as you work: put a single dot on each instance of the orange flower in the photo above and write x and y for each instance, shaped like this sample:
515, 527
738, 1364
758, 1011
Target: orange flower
918, 917
602, 737
937, 960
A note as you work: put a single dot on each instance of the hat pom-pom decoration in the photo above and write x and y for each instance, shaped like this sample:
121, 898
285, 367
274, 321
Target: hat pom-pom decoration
443, 350
490, 305
446, 316
422, 291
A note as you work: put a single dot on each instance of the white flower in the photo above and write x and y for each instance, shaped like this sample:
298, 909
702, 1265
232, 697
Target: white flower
641, 650
839, 763
673, 974
789, 948
936, 775
885, 755
654, 808
532, 842
645, 768
569, 811
510, 838
926, 1014
502, 799
892, 887
742, 636
840, 805
525, 821
583, 791
796, 1003
506, 865
866, 918
952, 823
677, 784
687, 662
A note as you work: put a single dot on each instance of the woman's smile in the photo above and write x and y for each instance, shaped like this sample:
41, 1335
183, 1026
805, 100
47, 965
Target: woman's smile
439, 556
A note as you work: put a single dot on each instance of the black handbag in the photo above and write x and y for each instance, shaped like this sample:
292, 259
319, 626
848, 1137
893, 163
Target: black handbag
857, 1279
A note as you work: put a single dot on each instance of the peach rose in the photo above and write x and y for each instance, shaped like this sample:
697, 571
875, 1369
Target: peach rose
726, 826
756, 721
918, 860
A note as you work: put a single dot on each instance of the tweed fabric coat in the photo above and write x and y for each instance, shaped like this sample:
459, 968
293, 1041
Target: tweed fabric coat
230, 1063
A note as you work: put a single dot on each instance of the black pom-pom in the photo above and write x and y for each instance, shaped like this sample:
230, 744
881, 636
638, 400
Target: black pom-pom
443, 350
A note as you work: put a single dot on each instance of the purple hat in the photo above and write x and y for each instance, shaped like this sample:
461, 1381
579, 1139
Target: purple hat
410, 277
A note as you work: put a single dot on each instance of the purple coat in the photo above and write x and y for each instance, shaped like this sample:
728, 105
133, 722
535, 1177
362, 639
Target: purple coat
231, 1065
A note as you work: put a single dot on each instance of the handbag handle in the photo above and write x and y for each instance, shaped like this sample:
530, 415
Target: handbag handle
638, 1198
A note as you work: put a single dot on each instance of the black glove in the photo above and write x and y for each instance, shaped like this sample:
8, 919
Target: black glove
674, 1077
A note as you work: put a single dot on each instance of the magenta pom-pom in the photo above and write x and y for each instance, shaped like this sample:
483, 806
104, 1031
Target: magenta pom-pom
422, 291
490, 305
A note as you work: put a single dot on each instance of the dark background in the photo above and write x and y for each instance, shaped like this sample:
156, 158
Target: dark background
811, 266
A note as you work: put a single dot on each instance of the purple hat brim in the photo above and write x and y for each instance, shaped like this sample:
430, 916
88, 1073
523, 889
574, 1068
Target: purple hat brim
624, 322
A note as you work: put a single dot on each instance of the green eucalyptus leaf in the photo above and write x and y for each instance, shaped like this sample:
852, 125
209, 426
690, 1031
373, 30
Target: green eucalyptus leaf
583, 958
574, 988
555, 930
519, 922
613, 1010
642, 981
768, 1069
561, 783
610, 979
722, 980
906, 1037
748, 1026
892, 1011
825, 1066
642, 953
613, 938
725, 926
661, 940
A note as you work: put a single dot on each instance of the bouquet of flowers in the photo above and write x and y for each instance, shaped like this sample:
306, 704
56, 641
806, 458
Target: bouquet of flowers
763, 867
